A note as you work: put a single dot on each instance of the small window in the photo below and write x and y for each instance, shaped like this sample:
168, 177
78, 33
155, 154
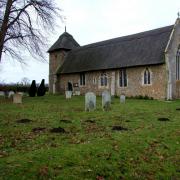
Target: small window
178, 64
103, 79
94, 80
147, 76
82, 79
122, 78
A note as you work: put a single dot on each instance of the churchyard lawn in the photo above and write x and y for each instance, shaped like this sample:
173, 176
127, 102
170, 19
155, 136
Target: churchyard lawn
54, 138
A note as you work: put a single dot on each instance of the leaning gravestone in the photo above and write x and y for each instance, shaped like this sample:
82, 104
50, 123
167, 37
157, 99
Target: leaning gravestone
11, 93
106, 101
68, 94
122, 98
90, 101
17, 98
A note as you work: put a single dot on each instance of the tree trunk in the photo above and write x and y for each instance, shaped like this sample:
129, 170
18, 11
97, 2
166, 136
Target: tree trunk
4, 26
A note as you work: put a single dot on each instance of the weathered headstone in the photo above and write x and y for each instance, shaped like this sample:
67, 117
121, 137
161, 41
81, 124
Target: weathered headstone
21, 93
17, 98
90, 101
6, 93
68, 94
122, 98
11, 93
77, 93
106, 101
2, 93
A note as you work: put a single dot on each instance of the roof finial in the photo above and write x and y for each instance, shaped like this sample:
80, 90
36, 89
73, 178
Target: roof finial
178, 15
65, 28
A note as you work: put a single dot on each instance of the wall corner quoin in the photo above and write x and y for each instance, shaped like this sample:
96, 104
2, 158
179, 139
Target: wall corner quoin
168, 78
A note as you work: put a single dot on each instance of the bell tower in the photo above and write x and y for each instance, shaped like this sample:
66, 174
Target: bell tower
57, 54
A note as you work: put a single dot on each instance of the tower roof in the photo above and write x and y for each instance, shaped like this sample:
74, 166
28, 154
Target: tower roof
65, 41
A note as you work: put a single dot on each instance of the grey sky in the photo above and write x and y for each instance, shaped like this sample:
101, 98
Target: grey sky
95, 20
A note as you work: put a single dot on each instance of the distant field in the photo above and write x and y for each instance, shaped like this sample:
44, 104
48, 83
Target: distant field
145, 148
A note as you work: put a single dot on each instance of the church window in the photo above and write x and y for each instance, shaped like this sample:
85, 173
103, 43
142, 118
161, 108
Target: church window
103, 79
94, 80
122, 78
82, 79
147, 76
178, 64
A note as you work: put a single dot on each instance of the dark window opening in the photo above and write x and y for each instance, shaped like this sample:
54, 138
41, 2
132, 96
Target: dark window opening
122, 78
82, 79
147, 76
104, 79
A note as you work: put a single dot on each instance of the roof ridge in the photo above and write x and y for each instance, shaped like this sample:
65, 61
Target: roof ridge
143, 35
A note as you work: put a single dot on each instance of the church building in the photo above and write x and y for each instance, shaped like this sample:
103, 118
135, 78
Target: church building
146, 64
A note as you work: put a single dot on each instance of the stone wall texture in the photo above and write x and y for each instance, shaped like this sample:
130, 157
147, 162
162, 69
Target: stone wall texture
135, 87
56, 59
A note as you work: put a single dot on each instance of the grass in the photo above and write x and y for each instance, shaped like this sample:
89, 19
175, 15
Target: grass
89, 149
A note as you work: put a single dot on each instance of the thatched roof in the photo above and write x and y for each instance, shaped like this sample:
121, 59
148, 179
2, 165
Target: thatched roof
65, 41
146, 48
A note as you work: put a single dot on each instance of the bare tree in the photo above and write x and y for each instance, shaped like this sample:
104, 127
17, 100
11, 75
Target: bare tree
25, 81
24, 25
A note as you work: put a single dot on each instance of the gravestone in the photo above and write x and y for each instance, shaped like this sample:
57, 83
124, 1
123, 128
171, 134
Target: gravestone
122, 98
11, 93
2, 93
68, 94
106, 101
90, 101
17, 98
6, 94
21, 93
77, 93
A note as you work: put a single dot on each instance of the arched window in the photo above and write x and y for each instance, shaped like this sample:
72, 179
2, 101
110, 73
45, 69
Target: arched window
103, 79
178, 64
122, 78
82, 79
147, 76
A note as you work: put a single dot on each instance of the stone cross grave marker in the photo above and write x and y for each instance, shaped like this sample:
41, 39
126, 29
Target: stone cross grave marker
122, 98
17, 98
90, 101
68, 94
106, 101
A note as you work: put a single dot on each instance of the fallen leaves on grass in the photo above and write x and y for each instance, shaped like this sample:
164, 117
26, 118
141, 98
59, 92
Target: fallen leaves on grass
65, 121
163, 119
119, 128
92, 127
24, 121
100, 178
90, 121
43, 171
38, 129
3, 154
58, 130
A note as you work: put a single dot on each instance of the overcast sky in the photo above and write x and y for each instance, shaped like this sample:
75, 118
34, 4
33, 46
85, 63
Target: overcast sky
96, 20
